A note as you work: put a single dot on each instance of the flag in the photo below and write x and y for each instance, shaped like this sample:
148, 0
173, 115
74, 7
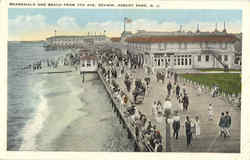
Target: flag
127, 20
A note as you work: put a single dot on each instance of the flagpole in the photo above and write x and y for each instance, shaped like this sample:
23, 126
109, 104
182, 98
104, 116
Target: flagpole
124, 23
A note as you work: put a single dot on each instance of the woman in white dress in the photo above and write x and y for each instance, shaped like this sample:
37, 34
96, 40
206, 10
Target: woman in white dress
154, 108
197, 127
180, 105
199, 90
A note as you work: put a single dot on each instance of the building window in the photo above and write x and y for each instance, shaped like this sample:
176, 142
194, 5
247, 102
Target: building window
186, 61
219, 57
178, 61
185, 45
190, 61
88, 63
225, 58
159, 46
207, 58
165, 46
235, 61
226, 45
206, 44
182, 61
199, 58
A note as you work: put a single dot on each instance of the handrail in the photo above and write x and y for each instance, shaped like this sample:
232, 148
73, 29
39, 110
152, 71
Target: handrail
148, 147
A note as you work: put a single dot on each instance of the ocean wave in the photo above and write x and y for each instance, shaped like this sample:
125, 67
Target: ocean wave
35, 124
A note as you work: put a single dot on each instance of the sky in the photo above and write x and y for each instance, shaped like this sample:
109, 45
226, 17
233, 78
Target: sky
25, 24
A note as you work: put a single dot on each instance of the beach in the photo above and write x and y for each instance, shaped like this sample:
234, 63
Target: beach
65, 115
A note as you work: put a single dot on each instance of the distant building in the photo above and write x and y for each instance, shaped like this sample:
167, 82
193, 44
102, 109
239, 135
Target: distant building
75, 41
184, 50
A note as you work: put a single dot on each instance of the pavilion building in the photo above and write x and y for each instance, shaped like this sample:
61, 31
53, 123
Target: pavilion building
184, 50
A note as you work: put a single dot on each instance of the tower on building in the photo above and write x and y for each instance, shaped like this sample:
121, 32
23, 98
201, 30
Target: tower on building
216, 28
225, 30
198, 28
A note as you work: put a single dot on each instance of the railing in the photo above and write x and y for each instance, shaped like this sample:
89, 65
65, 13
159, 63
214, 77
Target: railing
214, 52
130, 124
231, 98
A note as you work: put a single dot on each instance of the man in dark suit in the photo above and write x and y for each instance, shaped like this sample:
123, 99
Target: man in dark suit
188, 131
176, 125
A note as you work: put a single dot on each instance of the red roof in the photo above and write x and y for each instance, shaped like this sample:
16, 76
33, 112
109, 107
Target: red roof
196, 38
115, 39
88, 57
84, 50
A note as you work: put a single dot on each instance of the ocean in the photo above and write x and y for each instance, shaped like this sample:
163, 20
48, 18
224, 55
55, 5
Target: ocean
55, 112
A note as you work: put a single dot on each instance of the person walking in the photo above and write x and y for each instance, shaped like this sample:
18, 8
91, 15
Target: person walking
169, 87
154, 108
176, 125
158, 147
177, 91
179, 105
193, 127
159, 108
185, 102
167, 107
197, 127
228, 122
199, 90
210, 112
184, 89
222, 124
188, 131
175, 77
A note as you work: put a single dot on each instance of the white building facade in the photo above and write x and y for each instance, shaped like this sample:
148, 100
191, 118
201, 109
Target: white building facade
185, 50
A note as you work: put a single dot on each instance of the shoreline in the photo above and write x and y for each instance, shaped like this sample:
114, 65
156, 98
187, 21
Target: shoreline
63, 107
76, 120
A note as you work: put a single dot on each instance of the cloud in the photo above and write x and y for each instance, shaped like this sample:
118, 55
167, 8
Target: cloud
67, 24
36, 27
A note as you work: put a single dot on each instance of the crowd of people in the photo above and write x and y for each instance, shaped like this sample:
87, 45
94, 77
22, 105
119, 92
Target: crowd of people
53, 62
225, 124
115, 68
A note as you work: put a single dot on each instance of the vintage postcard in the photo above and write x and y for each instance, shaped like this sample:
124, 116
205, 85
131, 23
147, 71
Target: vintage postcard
118, 77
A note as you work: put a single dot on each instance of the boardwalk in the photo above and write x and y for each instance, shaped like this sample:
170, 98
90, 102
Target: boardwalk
209, 140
